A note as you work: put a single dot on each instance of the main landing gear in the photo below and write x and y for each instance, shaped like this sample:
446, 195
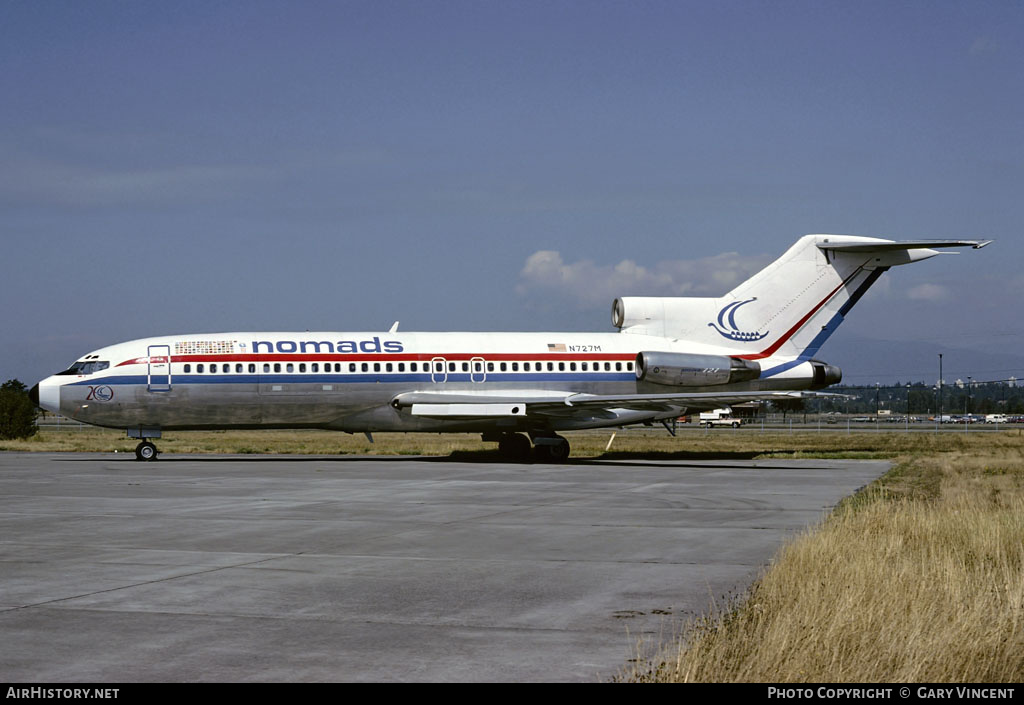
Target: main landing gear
547, 449
145, 451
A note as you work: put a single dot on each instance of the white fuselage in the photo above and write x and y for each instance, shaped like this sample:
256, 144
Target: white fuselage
347, 381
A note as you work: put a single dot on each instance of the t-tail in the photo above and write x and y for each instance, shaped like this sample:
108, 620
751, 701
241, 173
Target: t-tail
789, 308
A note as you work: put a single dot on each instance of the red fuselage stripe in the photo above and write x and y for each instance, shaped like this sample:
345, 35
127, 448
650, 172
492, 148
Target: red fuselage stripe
392, 357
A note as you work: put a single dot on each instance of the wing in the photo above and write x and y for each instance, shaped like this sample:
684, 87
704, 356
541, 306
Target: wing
570, 404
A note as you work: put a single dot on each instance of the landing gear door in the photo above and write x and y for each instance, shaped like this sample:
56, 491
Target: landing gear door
158, 376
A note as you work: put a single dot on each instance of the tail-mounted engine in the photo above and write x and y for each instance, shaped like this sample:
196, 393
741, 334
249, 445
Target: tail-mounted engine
825, 374
684, 370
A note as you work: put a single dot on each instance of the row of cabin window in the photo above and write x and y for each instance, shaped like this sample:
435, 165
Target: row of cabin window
478, 366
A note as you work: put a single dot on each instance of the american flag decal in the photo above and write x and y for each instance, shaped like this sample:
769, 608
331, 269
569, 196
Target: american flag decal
556, 347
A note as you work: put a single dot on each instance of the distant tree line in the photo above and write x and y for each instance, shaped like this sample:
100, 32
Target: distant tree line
17, 413
923, 399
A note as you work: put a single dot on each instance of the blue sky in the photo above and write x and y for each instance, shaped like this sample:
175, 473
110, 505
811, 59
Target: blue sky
208, 166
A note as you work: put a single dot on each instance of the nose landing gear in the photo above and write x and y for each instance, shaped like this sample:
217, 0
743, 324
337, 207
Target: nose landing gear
145, 451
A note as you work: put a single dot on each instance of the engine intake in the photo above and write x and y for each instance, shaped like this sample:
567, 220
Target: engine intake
686, 370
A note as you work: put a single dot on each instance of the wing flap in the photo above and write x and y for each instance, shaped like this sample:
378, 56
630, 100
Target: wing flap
464, 410
676, 400
568, 404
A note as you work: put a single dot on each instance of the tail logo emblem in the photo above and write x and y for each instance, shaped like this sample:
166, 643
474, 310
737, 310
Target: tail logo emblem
726, 325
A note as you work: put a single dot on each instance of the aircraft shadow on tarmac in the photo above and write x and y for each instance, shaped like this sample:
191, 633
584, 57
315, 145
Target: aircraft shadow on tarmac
483, 457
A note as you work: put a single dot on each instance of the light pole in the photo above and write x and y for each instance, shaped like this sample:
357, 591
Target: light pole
908, 407
967, 406
940, 388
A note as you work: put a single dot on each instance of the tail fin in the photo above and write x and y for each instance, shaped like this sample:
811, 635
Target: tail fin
790, 307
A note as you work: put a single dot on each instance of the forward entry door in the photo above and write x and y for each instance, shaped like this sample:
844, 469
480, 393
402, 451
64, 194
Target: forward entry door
158, 376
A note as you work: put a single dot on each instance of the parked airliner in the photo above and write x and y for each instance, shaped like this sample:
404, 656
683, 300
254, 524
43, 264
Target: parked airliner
671, 355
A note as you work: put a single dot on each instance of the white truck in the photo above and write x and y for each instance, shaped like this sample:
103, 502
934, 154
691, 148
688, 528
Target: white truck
720, 417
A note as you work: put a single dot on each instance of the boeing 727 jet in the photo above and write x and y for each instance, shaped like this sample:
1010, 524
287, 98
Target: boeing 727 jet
670, 356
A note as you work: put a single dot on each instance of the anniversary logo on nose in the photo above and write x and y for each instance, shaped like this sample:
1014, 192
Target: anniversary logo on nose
103, 393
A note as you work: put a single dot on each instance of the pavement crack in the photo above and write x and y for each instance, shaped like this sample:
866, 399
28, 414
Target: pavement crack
169, 578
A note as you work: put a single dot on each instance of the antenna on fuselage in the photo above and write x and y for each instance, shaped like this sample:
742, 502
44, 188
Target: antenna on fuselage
394, 327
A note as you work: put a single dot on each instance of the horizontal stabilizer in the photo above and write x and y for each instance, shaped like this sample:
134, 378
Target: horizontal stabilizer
840, 244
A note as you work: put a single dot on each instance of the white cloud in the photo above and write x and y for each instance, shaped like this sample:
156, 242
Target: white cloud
928, 292
588, 283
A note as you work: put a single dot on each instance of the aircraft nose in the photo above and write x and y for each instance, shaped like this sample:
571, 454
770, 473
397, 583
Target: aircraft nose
46, 395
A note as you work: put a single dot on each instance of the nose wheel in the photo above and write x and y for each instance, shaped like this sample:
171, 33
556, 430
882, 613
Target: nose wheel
145, 451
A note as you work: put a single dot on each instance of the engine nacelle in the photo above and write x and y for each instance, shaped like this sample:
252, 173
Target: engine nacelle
665, 316
685, 370
825, 374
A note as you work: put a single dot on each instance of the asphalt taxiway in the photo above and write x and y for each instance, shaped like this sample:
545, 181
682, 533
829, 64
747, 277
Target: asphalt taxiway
296, 568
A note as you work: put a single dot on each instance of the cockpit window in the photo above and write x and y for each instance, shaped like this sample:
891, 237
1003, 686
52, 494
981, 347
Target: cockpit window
86, 368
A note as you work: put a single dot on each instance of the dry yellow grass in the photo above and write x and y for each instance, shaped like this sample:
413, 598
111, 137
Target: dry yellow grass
646, 442
921, 579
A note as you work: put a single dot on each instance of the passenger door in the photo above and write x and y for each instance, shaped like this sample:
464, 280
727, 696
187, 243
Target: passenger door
158, 373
